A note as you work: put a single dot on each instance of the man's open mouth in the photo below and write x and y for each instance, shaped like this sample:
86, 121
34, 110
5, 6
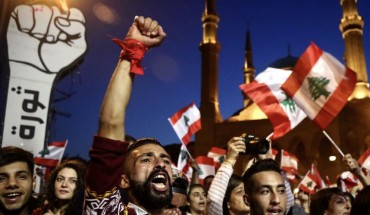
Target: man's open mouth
160, 181
12, 195
11, 198
275, 210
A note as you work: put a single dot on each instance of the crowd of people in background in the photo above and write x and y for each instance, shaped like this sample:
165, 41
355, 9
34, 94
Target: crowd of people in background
128, 176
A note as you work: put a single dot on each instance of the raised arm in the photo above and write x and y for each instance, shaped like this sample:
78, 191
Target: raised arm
355, 168
108, 148
113, 109
216, 192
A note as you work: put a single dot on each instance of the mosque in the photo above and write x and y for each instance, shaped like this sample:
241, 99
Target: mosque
350, 130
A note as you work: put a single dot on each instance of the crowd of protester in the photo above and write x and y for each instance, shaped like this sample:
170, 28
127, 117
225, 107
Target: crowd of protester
128, 176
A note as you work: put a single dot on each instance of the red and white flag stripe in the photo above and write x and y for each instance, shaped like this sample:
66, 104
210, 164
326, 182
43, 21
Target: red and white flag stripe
206, 166
308, 184
218, 155
364, 160
289, 163
186, 122
54, 155
280, 109
339, 82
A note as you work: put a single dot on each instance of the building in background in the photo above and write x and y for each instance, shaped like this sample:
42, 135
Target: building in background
350, 129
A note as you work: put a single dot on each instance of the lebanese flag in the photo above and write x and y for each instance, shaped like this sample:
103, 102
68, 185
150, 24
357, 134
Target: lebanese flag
289, 164
348, 180
183, 161
327, 181
186, 122
320, 85
308, 184
280, 109
364, 160
51, 156
318, 179
218, 155
206, 167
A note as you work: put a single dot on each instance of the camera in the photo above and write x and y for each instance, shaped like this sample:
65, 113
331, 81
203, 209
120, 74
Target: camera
255, 145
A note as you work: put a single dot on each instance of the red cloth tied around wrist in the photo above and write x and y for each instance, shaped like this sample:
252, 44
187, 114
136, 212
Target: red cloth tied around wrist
133, 51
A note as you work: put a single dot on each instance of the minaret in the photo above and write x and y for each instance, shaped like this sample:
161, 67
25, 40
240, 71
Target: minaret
209, 106
249, 69
351, 26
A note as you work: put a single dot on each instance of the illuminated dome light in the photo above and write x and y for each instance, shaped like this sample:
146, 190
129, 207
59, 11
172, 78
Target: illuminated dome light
361, 91
332, 158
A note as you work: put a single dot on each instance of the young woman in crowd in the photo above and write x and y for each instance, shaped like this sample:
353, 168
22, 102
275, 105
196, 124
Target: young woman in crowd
64, 190
227, 189
233, 203
197, 200
329, 201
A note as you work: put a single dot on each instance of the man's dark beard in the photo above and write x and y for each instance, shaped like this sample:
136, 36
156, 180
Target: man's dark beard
149, 198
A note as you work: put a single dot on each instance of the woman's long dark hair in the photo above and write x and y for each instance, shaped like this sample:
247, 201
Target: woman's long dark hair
320, 200
74, 205
361, 205
234, 181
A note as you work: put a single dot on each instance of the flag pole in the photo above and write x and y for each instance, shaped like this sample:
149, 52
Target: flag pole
333, 143
61, 156
270, 143
300, 183
269, 136
281, 157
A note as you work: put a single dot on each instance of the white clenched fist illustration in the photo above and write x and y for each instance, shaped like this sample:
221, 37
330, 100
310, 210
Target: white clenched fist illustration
46, 38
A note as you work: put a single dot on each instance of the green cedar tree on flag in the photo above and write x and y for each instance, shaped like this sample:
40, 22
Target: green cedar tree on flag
308, 184
206, 167
186, 122
218, 155
320, 85
183, 161
51, 156
280, 109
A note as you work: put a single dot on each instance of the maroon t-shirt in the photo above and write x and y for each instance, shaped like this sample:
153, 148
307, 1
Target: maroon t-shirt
102, 195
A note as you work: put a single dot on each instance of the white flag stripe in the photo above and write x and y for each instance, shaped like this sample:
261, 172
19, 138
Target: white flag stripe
266, 92
206, 170
366, 163
275, 78
325, 66
183, 157
289, 162
193, 115
306, 180
55, 152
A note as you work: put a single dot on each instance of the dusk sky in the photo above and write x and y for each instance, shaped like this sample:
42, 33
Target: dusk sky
173, 70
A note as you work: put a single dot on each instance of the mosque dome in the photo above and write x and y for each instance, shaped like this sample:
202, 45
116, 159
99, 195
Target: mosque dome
287, 62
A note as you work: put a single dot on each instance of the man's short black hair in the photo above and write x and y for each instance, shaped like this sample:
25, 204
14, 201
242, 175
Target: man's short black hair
12, 154
137, 144
193, 186
180, 185
141, 142
209, 176
259, 166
